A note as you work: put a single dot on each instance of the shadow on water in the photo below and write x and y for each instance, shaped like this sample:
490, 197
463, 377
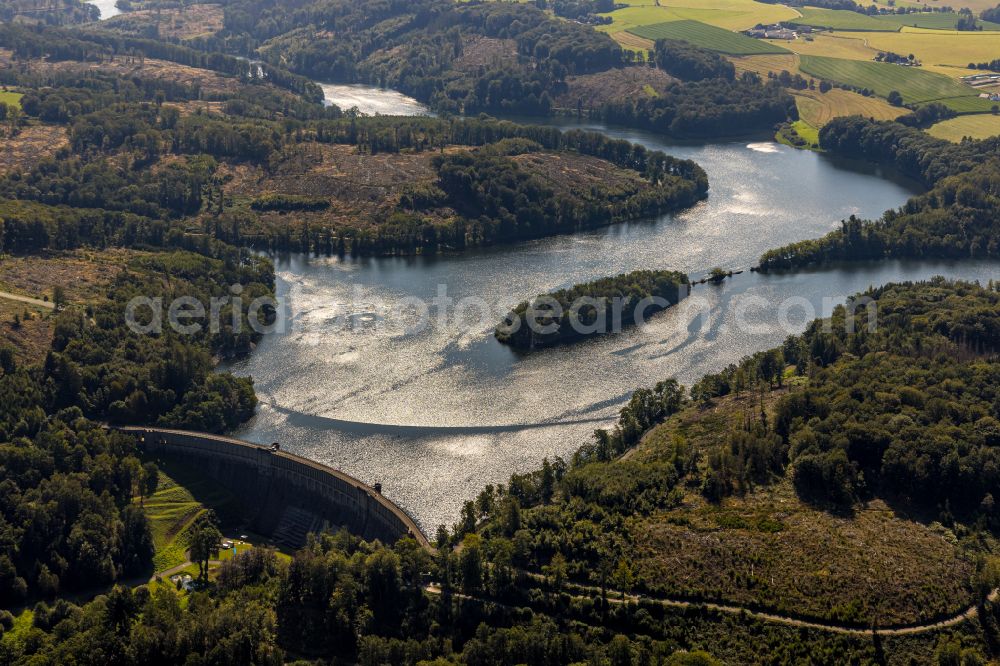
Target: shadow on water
315, 422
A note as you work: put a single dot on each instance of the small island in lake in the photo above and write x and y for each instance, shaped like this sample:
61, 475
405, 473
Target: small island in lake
593, 308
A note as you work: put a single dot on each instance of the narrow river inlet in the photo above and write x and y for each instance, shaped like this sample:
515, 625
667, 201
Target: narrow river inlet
436, 415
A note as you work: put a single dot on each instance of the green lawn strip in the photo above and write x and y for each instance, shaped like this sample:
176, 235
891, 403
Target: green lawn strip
799, 134
181, 497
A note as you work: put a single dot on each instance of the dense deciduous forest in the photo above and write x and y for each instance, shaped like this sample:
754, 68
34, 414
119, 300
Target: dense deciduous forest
956, 218
420, 49
593, 308
62, 44
690, 63
710, 107
868, 424
707, 101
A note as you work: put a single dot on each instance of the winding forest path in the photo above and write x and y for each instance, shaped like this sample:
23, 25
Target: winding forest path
617, 597
27, 299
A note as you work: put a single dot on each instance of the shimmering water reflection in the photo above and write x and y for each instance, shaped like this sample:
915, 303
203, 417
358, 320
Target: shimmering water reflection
437, 415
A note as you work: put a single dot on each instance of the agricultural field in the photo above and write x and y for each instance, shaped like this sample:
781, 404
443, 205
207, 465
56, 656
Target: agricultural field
969, 105
727, 14
934, 21
913, 84
838, 19
848, 45
762, 64
975, 5
939, 47
633, 42
818, 108
708, 36
841, 19
978, 126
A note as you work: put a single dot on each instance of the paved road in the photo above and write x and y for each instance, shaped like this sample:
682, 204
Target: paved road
27, 299
616, 597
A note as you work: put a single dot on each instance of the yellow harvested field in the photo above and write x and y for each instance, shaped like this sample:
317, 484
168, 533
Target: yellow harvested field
634, 42
953, 71
846, 45
978, 126
728, 14
818, 108
975, 5
762, 64
938, 47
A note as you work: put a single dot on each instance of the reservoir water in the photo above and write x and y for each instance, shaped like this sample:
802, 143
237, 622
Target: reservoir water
437, 414
107, 7
370, 100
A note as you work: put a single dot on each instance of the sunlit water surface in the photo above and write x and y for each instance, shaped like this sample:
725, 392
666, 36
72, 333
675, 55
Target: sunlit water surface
436, 415
370, 100
107, 7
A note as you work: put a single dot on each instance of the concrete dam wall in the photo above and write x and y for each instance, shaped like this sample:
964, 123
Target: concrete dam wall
285, 496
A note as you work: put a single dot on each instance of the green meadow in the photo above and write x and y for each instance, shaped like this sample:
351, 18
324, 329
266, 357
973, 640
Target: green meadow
708, 37
915, 85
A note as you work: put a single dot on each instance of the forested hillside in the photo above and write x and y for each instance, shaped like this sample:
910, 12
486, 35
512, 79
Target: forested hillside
491, 57
884, 438
230, 154
959, 217
815, 437
96, 199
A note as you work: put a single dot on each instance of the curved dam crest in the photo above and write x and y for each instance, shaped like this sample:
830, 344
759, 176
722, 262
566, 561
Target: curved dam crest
288, 495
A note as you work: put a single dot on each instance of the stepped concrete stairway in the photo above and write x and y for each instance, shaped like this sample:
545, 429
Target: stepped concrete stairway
294, 525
